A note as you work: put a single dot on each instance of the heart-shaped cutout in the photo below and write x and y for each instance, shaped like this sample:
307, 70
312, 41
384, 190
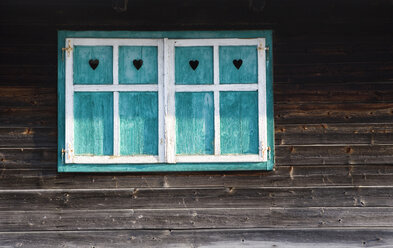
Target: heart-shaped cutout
194, 64
237, 63
94, 63
138, 63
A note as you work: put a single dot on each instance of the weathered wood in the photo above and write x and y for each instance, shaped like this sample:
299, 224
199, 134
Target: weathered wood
29, 116
230, 197
22, 158
27, 74
337, 72
321, 154
28, 137
18, 96
260, 238
283, 176
348, 133
355, 92
304, 113
190, 218
34, 54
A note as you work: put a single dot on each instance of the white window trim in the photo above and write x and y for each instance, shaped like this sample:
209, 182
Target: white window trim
166, 89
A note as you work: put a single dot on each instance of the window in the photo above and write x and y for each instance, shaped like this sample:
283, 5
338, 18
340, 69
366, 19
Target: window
165, 101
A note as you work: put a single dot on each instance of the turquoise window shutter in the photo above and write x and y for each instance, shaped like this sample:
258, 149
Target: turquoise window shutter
238, 64
93, 123
194, 123
93, 65
239, 122
138, 65
165, 101
138, 113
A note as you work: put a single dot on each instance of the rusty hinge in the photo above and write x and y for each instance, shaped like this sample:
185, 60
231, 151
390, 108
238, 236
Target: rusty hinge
265, 149
67, 49
261, 48
62, 154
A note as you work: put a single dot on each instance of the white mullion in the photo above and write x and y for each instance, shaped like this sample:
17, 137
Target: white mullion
116, 117
112, 42
218, 158
115, 64
214, 87
217, 137
262, 118
115, 87
161, 102
218, 42
138, 159
216, 73
170, 136
116, 124
216, 69
69, 104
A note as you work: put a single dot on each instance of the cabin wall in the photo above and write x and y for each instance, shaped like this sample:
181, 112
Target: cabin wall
333, 99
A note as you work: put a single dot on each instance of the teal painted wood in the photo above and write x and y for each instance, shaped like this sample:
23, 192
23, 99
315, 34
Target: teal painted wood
168, 34
84, 73
129, 74
194, 123
162, 167
138, 123
248, 71
203, 74
93, 123
62, 35
239, 122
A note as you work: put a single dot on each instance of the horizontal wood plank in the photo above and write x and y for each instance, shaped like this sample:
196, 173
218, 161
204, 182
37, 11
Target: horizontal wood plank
334, 133
28, 137
29, 116
196, 218
315, 92
282, 176
304, 113
334, 155
231, 197
18, 96
262, 238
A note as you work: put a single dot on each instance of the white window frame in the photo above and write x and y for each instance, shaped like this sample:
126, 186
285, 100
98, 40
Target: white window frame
166, 89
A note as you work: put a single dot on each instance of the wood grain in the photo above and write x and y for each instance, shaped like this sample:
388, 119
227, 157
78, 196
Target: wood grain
196, 219
263, 238
333, 179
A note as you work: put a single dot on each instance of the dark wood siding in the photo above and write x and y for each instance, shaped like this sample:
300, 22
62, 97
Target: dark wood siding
333, 91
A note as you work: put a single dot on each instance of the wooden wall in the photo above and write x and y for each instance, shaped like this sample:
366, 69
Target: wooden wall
333, 91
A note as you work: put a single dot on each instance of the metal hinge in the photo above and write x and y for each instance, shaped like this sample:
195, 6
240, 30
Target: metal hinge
67, 152
261, 48
62, 154
268, 152
67, 49
265, 149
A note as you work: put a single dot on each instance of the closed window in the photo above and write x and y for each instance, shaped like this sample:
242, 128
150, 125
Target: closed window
175, 101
